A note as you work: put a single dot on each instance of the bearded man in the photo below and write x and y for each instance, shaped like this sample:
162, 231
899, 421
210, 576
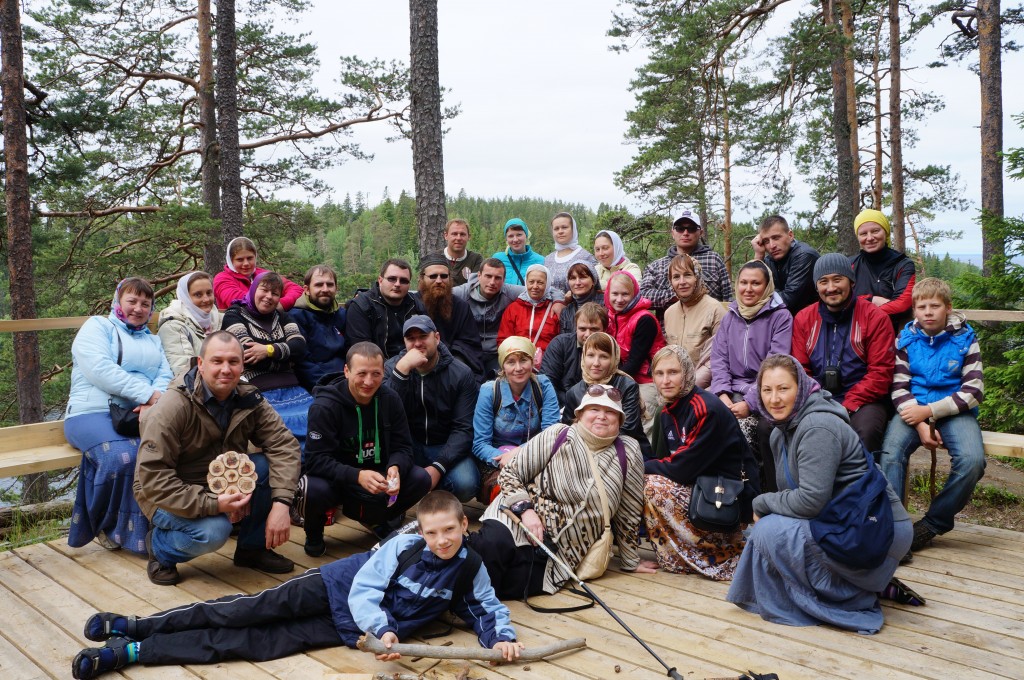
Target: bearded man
452, 316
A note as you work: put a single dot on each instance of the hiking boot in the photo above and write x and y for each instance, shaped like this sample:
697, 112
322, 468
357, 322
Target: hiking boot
104, 540
263, 560
412, 527
908, 558
922, 535
94, 661
105, 625
157, 572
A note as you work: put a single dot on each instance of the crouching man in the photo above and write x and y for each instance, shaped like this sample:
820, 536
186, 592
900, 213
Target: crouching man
206, 412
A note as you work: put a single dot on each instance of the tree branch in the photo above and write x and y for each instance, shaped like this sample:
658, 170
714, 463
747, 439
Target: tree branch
370, 643
103, 212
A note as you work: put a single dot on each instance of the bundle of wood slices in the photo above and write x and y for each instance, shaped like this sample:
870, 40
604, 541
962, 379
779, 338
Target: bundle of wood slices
231, 473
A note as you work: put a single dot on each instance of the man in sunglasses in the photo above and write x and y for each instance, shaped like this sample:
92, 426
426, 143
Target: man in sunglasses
453, 316
377, 315
686, 234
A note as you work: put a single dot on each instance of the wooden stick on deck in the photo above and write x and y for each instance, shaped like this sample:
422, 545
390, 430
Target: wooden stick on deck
370, 643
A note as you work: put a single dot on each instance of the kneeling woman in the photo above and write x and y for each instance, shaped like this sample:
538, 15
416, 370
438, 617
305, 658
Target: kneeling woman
784, 575
271, 341
695, 435
550, 484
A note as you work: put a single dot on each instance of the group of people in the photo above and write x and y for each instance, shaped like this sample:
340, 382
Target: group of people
580, 398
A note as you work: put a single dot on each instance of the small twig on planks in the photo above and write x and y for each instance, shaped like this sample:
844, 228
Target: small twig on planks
381, 675
370, 643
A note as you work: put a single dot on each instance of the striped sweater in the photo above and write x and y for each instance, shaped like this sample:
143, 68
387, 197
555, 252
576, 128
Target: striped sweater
283, 334
565, 497
943, 371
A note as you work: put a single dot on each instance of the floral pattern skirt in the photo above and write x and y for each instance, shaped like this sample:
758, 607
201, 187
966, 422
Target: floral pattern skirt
681, 547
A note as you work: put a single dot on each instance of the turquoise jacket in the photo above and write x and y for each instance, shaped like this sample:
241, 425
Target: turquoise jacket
520, 261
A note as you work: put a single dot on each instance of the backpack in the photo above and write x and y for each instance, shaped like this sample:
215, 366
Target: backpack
538, 396
463, 582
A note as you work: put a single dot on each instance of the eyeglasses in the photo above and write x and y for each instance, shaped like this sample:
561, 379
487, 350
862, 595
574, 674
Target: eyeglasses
441, 275
605, 390
688, 227
397, 279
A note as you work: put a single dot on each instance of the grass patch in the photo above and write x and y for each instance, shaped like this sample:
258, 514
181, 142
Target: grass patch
24, 530
1015, 463
985, 496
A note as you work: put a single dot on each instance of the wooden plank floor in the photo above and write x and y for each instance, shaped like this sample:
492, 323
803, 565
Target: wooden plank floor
972, 627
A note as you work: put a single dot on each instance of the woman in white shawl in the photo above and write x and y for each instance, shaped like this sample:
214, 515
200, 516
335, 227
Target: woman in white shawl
185, 322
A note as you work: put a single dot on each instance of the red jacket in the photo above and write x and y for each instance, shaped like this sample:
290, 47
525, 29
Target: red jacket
872, 340
516, 320
229, 286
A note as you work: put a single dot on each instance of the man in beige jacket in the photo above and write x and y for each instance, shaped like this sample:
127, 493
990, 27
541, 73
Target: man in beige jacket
206, 412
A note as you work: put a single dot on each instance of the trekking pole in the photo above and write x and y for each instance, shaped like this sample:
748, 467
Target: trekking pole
672, 672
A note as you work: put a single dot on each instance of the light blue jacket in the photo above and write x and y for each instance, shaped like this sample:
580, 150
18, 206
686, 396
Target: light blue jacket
95, 376
516, 421
522, 262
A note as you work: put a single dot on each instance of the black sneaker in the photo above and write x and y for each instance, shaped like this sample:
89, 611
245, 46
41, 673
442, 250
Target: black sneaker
94, 661
908, 558
157, 572
922, 536
314, 547
263, 560
105, 625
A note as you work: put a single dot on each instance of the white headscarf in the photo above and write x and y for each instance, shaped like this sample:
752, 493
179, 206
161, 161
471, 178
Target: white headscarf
618, 251
227, 253
199, 316
525, 295
573, 246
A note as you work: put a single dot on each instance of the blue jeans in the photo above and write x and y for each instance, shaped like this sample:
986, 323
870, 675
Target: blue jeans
961, 436
180, 539
462, 480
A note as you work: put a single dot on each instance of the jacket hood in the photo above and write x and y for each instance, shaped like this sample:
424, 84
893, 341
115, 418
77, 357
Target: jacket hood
819, 402
956, 323
174, 311
636, 287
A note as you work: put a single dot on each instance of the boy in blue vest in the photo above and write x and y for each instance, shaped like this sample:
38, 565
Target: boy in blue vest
409, 581
936, 388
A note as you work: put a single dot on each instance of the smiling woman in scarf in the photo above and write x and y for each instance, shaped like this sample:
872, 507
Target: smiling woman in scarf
600, 366
568, 252
692, 322
115, 360
185, 322
271, 342
611, 257
756, 325
784, 575
231, 284
695, 435
531, 315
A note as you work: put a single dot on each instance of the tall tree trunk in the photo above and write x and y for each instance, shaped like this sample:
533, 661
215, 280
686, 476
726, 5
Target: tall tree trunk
726, 178
846, 191
850, 76
227, 122
213, 252
990, 70
899, 230
425, 119
19, 229
876, 78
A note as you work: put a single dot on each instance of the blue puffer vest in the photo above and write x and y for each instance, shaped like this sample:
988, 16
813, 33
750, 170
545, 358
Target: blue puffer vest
936, 361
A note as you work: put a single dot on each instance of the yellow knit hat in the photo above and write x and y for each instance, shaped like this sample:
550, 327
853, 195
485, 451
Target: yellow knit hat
875, 216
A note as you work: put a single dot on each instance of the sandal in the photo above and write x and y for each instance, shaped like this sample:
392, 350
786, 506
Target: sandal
900, 592
105, 625
94, 661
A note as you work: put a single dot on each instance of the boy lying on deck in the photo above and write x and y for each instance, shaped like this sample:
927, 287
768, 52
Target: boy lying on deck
407, 582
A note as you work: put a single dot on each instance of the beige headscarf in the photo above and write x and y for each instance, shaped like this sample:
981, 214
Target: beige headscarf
616, 358
515, 344
700, 289
689, 370
750, 312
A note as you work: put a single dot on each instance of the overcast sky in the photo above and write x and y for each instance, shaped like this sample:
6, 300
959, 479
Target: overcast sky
544, 102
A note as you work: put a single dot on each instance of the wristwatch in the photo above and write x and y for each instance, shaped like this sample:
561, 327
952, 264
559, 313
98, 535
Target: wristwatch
270, 350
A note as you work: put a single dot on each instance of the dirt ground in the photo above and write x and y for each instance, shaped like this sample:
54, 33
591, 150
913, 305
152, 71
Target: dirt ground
1005, 514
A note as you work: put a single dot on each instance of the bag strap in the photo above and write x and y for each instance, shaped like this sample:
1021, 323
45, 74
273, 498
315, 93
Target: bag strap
543, 320
606, 515
512, 262
120, 347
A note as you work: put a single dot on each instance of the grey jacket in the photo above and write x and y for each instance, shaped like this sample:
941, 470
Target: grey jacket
487, 312
825, 455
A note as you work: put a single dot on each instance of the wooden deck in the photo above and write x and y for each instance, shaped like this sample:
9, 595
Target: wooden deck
972, 627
